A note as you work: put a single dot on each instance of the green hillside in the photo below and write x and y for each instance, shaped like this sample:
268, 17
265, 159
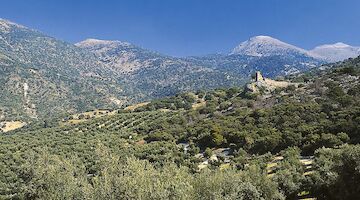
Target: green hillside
216, 144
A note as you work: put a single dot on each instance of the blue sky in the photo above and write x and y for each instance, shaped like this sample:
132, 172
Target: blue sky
191, 27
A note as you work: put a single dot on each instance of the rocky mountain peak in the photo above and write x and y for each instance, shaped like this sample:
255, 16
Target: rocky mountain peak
265, 46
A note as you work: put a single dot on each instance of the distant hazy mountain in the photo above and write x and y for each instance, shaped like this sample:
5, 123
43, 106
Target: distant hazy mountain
336, 52
261, 46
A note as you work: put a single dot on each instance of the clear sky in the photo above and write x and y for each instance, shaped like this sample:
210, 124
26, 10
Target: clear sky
191, 27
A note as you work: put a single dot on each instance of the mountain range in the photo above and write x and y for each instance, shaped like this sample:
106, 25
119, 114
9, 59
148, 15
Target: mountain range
42, 76
260, 46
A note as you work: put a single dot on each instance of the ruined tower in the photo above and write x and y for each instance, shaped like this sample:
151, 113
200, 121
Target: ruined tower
259, 77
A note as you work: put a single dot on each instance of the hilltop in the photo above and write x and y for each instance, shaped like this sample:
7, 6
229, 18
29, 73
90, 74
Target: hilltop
265, 85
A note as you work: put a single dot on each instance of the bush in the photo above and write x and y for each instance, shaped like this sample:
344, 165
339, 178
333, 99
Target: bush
231, 184
208, 153
336, 173
159, 136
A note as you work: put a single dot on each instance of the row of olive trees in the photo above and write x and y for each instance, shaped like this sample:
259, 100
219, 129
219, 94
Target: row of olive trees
53, 177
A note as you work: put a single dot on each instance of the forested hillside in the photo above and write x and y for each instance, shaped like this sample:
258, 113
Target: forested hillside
213, 144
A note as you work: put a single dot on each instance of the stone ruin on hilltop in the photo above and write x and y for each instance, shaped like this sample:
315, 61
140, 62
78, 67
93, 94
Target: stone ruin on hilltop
265, 85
